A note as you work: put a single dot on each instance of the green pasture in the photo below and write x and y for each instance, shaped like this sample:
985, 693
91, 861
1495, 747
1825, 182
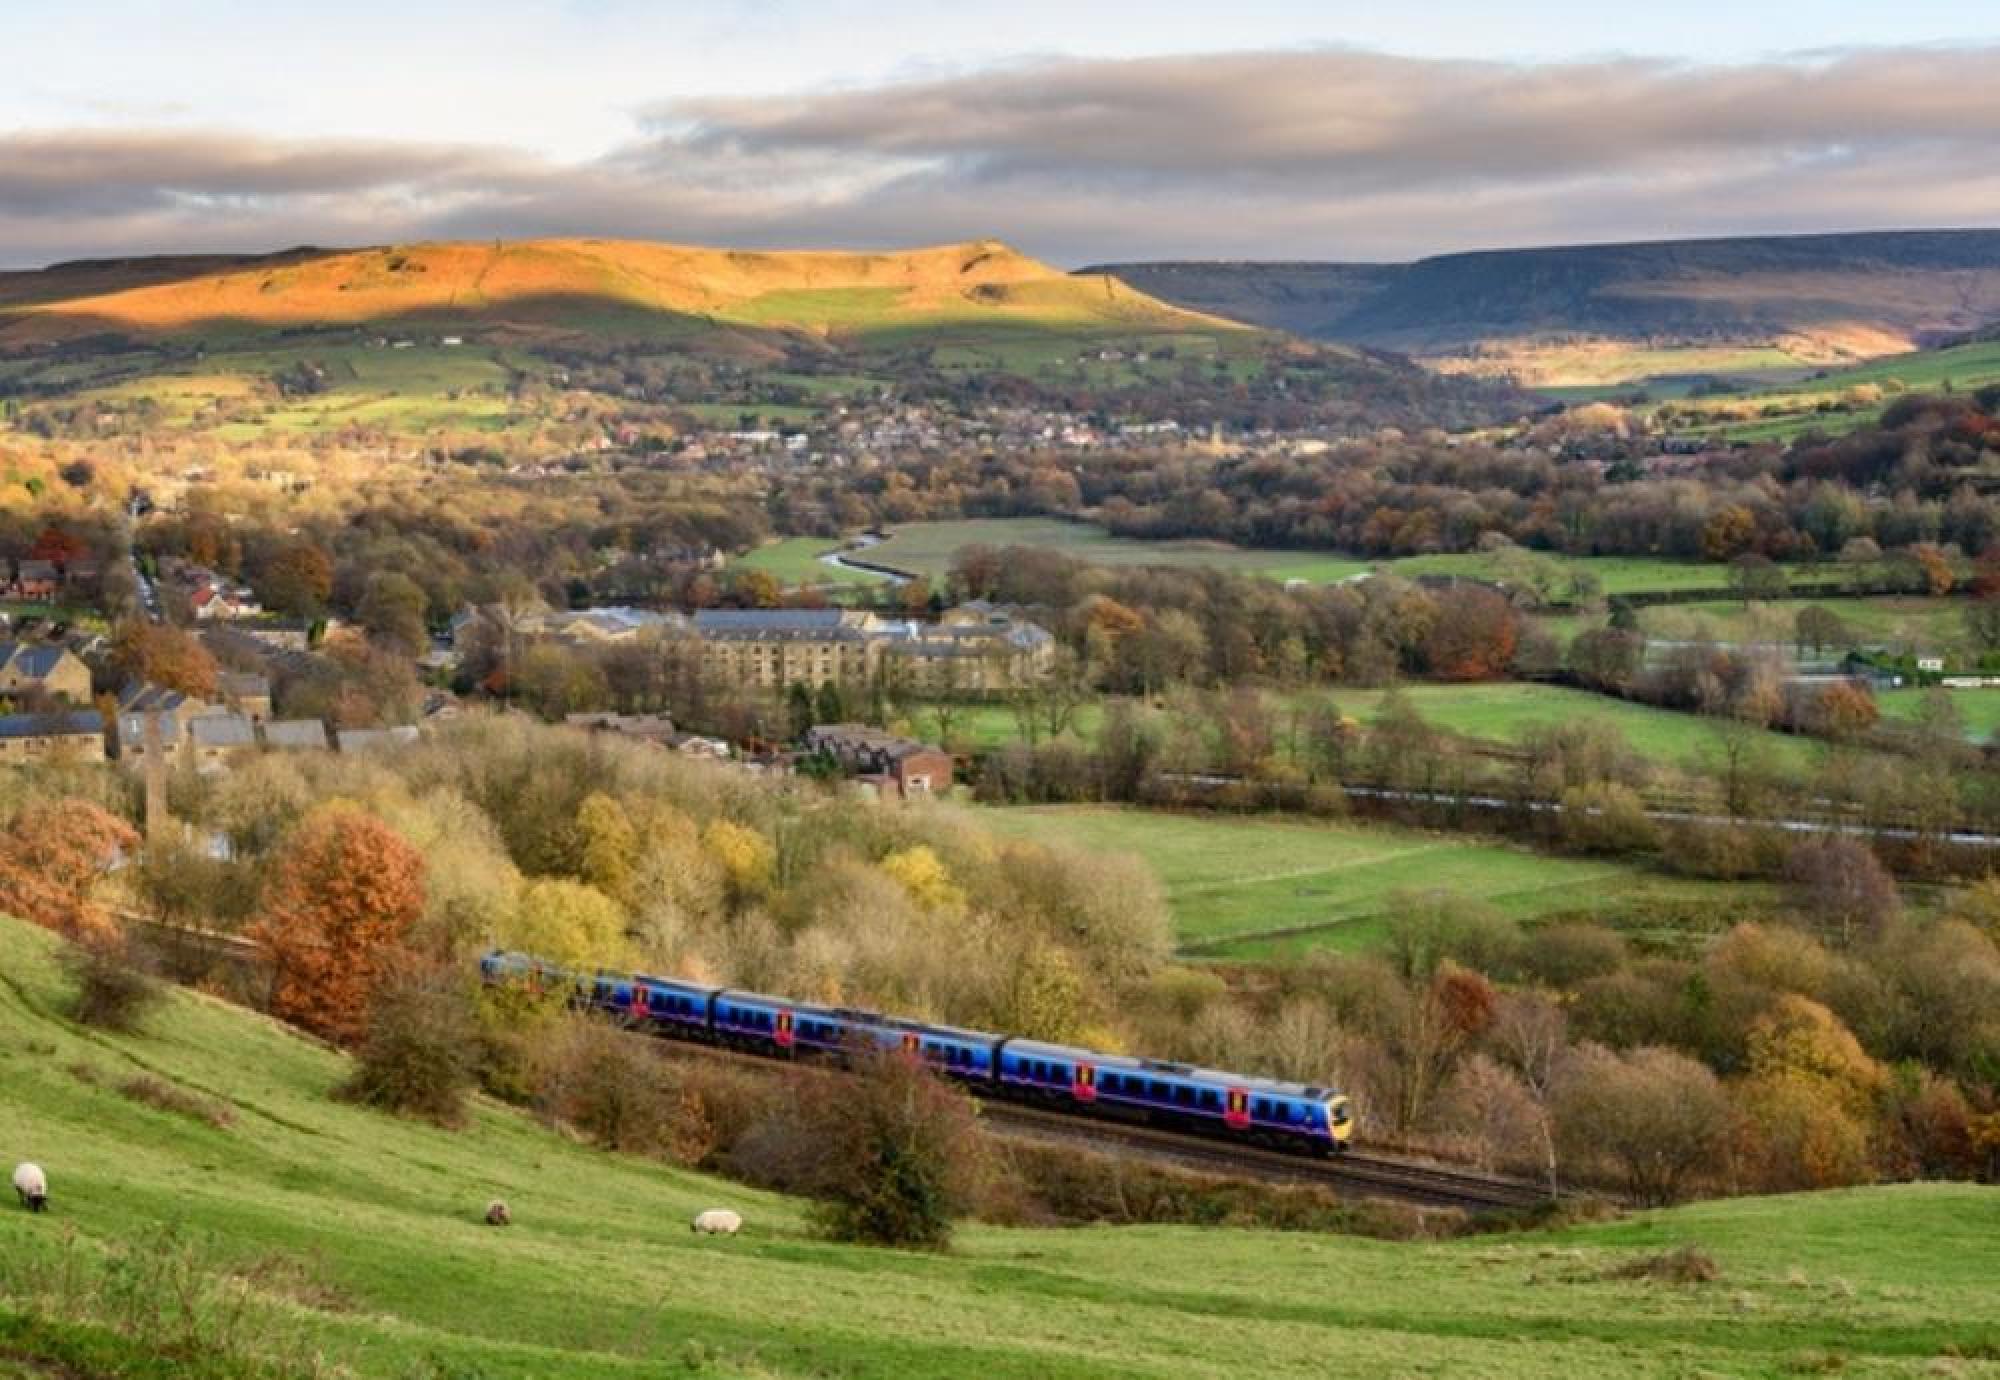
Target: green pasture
1898, 624
1272, 887
796, 561
1978, 710
360, 1241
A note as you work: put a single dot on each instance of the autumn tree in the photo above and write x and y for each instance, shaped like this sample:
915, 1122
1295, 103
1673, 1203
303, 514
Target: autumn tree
1819, 628
1654, 1116
392, 611
1811, 1100
171, 657
1841, 887
1473, 636
52, 856
342, 895
296, 579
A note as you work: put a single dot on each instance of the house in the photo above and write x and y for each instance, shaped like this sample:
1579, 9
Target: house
246, 693
217, 740
136, 730
72, 735
35, 582
359, 740
651, 728
44, 671
296, 735
885, 760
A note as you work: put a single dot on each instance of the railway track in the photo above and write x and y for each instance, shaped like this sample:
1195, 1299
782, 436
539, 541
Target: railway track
1356, 1172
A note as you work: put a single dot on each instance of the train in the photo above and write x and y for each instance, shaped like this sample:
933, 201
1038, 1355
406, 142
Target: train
1081, 1082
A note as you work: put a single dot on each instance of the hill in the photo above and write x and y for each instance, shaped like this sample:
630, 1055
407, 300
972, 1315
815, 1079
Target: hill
1588, 314
307, 1226
542, 286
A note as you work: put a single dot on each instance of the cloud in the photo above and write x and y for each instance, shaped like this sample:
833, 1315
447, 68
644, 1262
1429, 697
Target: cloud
1325, 153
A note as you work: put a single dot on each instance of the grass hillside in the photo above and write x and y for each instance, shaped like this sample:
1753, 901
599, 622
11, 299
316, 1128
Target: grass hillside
356, 1237
1603, 314
580, 284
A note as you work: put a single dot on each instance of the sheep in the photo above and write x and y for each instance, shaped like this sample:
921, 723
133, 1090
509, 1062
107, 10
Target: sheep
497, 1214
718, 1221
32, 1185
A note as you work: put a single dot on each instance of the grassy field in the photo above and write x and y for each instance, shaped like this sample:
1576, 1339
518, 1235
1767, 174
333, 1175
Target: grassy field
1898, 624
1796, 405
927, 548
1268, 888
796, 561
1505, 711
1978, 710
1501, 712
360, 1239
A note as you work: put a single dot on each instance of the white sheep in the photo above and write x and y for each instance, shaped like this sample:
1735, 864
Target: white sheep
33, 1186
718, 1221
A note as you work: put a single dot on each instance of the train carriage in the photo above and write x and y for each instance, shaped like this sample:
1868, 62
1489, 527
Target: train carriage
1073, 1079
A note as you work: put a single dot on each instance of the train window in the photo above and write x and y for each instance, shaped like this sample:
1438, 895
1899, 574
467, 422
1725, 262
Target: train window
1262, 1109
1158, 1091
1184, 1095
1210, 1100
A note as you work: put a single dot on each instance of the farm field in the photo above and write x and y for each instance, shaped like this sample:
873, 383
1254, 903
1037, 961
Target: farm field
927, 548
1273, 887
1505, 711
1978, 710
796, 561
1897, 623
1795, 404
1499, 712
356, 1237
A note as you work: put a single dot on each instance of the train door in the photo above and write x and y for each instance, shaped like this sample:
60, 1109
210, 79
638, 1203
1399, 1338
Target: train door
1236, 1112
1083, 1083
639, 1012
913, 1044
783, 1034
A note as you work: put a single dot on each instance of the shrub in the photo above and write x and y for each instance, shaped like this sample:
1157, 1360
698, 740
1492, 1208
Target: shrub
420, 1053
606, 1085
1681, 1265
112, 993
895, 1152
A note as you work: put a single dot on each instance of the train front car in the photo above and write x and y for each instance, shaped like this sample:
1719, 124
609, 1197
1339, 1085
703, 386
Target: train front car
1340, 1121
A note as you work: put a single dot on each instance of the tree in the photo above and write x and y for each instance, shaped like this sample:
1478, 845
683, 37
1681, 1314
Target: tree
51, 858
1819, 628
1756, 576
1841, 887
420, 1054
569, 923
1728, 533
342, 895
894, 1151
297, 579
1607, 658
392, 611
165, 656
1657, 1117
1473, 636
1811, 1099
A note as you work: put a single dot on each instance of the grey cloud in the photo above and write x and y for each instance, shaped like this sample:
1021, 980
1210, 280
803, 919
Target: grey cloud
1296, 154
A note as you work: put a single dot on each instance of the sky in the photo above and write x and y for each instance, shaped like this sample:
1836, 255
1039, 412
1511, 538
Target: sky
1084, 131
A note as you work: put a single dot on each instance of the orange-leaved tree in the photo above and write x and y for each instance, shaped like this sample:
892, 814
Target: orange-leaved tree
51, 858
342, 896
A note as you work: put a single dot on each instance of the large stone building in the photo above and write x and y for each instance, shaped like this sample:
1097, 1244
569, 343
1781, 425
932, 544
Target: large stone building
975, 649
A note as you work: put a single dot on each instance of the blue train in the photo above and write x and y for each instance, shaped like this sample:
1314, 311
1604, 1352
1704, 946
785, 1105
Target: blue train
1081, 1081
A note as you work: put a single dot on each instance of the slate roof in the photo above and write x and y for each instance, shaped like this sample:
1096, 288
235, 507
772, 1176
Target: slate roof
296, 733
74, 724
